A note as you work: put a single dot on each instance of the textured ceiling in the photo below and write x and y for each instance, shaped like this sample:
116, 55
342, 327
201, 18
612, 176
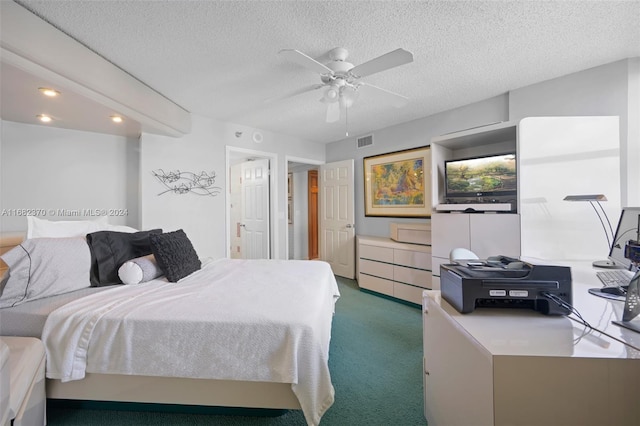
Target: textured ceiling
220, 58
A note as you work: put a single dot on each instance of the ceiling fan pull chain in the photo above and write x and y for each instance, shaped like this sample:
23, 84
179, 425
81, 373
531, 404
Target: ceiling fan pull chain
346, 120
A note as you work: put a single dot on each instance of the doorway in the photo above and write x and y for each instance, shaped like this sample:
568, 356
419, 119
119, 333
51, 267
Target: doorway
312, 189
251, 225
302, 209
335, 230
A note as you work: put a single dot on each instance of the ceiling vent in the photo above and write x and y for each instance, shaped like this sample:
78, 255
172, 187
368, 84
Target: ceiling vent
364, 141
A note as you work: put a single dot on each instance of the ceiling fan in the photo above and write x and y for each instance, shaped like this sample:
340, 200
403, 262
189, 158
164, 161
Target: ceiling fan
341, 79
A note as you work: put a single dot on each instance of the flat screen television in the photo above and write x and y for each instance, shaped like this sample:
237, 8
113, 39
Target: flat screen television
485, 179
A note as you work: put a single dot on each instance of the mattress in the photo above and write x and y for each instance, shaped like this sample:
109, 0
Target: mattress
28, 319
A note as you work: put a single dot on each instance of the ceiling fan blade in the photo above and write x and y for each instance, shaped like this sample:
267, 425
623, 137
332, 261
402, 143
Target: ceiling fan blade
293, 94
333, 112
304, 60
383, 95
392, 59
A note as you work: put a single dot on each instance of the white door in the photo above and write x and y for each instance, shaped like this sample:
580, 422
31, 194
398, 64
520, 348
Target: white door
337, 225
255, 209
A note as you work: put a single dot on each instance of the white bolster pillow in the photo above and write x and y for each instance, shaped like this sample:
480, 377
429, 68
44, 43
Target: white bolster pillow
139, 270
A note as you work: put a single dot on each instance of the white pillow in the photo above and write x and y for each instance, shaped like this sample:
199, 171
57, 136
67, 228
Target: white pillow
42, 228
120, 228
42, 267
139, 270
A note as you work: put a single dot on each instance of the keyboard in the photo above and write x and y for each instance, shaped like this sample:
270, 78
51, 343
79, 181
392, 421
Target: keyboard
616, 278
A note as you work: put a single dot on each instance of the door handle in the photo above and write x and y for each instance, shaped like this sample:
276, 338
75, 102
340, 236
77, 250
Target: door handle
349, 226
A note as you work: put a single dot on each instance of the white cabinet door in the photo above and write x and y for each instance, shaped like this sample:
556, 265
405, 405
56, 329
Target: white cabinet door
485, 234
448, 231
458, 381
494, 234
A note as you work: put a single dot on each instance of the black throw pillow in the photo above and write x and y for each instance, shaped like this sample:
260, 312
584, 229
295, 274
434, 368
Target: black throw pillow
110, 249
175, 254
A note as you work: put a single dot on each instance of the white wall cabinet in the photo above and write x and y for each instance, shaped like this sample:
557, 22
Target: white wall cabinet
487, 234
399, 270
556, 156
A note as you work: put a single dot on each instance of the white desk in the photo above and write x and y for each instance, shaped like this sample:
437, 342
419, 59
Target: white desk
519, 367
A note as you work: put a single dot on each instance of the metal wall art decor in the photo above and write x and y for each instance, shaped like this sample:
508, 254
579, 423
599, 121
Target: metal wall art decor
398, 184
188, 182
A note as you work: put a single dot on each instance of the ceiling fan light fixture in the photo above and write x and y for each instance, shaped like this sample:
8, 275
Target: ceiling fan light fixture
348, 96
332, 94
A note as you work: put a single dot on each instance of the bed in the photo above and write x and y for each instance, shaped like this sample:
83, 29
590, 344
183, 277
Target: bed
234, 333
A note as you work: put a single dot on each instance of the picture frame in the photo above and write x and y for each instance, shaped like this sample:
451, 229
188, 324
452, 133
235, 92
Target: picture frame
289, 185
398, 184
290, 210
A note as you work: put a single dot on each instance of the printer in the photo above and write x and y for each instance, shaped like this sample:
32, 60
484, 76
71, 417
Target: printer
504, 282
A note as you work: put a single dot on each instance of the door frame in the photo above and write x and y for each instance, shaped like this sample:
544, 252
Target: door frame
245, 154
288, 159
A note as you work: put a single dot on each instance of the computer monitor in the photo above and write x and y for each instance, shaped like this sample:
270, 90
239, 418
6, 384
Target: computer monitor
627, 230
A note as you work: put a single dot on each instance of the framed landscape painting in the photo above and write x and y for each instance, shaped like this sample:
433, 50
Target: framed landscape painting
398, 184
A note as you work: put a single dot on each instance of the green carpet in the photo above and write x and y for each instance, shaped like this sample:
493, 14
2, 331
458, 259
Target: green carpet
375, 361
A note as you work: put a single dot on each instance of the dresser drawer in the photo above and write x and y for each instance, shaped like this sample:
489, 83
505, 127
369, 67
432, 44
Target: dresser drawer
435, 283
407, 292
417, 277
383, 254
415, 259
376, 284
435, 264
379, 269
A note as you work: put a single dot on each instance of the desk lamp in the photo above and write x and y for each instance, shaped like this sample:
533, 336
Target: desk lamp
594, 200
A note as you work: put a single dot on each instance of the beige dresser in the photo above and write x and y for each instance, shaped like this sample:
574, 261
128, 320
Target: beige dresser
22, 381
393, 268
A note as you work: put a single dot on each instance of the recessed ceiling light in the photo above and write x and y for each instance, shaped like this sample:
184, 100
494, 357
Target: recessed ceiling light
117, 119
48, 92
44, 118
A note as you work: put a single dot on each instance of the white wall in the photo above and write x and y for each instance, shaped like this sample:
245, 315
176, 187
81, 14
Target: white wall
52, 169
203, 217
413, 134
633, 134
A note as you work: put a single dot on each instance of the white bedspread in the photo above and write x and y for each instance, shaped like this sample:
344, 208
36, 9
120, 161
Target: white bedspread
253, 320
